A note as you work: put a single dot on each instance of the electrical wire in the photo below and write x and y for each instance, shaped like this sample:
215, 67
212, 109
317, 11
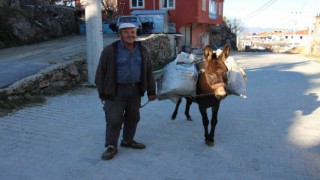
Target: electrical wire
259, 10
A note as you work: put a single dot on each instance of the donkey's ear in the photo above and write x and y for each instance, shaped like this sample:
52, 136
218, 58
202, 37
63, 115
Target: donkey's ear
207, 53
225, 52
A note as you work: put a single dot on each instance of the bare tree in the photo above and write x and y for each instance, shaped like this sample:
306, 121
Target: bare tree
233, 26
226, 33
232, 29
110, 8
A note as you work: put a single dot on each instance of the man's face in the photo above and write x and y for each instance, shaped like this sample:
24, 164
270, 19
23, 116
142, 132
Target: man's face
128, 35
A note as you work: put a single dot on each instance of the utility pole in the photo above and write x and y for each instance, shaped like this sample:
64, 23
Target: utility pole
94, 36
238, 39
294, 32
295, 19
309, 41
311, 26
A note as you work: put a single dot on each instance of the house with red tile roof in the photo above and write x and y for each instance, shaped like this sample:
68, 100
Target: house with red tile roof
295, 38
277, 40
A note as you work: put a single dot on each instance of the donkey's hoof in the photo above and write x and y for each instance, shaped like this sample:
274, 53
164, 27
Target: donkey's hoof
189, 118
209, 143
173, 117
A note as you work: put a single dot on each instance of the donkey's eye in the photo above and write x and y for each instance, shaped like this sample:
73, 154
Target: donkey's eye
211, 76
211, 79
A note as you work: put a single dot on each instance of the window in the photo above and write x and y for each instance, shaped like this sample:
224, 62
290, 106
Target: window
167, 4
204, 5
137, 4
212, 9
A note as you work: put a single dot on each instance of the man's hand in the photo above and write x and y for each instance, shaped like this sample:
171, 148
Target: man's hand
152, 97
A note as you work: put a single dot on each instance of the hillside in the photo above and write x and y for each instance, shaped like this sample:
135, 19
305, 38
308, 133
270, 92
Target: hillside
33, 21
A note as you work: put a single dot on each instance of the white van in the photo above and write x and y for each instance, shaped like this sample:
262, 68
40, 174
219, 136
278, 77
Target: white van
130, 19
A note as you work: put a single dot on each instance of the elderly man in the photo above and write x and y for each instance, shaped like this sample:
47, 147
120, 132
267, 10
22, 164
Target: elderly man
123, 76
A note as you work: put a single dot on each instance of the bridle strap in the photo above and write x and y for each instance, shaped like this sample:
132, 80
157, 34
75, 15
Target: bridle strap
216, 86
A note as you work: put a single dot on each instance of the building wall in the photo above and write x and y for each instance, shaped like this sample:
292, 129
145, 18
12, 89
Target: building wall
185, 13
297, 39
185, 41
200, 35
191, 18
203, 16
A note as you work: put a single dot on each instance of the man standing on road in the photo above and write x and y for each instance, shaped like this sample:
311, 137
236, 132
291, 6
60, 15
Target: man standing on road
123, 75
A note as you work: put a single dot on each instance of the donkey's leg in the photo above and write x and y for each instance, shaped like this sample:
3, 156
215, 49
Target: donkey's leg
205, 122
214, 121
186, 112
175, 112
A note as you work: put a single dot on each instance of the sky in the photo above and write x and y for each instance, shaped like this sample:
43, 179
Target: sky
286, 14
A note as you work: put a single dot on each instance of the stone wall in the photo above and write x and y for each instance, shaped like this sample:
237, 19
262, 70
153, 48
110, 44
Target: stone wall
54, 77
160, 48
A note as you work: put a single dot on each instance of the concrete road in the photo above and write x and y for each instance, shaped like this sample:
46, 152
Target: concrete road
273, 134
19, 62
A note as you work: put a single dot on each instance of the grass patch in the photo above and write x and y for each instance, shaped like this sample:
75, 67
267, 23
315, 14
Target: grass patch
57, 90
8, 106
316, 58
16, 103
312, 56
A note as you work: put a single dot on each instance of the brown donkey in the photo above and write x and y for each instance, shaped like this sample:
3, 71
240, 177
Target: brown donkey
211, 89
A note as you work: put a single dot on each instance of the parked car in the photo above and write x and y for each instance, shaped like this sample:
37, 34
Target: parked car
113, 26
130, 19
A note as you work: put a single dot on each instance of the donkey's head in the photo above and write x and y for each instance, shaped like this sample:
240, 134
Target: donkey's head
216, 71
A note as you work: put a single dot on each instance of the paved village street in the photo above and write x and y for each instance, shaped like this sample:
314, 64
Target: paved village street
273, 134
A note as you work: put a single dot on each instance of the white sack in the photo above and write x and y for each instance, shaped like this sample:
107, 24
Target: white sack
178, 80
185, 58
236, 78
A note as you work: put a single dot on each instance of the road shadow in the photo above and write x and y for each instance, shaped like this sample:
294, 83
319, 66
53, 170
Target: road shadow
280, 117
276, 126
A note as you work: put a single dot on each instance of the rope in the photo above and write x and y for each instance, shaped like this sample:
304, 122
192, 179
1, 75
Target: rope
141, 106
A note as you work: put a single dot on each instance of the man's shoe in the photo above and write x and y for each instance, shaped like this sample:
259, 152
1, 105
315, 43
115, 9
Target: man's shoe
109, 153
133, 144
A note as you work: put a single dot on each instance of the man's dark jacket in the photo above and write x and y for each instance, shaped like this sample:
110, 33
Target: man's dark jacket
106, 74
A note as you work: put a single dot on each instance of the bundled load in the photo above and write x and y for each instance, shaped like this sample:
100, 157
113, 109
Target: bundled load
179, 78
236, 78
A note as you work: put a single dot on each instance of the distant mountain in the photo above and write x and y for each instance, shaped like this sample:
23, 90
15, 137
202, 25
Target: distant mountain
260, 30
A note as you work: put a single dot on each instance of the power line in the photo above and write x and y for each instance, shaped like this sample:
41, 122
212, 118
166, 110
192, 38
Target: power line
304, 5
259, 10
297, 15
